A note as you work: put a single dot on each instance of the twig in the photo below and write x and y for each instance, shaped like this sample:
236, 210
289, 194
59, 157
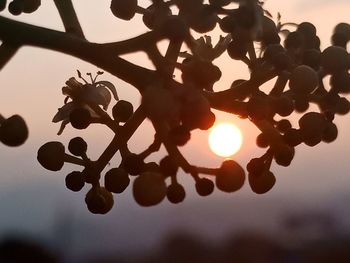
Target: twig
69, 17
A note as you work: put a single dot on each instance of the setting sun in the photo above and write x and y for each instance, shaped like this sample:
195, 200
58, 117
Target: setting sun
225, 139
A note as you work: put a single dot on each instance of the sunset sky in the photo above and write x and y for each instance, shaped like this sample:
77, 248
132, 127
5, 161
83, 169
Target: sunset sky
33, 200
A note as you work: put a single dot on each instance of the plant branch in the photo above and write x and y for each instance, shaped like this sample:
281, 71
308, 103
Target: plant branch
24, 34
69, 17
7, 51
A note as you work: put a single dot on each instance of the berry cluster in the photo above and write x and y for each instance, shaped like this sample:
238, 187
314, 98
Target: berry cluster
287, 54
17, 7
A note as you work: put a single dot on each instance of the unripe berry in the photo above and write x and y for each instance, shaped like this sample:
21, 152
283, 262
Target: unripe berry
303, 80
149, 189
80, 118
122, 111
99, 200
15, 7
175, 193
334, 59
30, 6
204, 186
13, 131
51, 155
230, 177
77, 146
124, 9
116, 180
75, 181
263, 183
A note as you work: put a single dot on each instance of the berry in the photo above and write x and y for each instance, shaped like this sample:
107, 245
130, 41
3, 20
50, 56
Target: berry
122, 111
303, 80
230, 177
204, 186
256, 166
3, 4
99, 200
51, 155
330, 133
13, 131
237, 49
75, 181
80, 118
15, 7
312, 125
124, 9
294, 40
116, 180
293, 137
334, 59
30, 6
307, 29
228, 24
204, 20
263, 183
175, 193
311, 58
283, 125
283, 154
262, 140
77, 146
149, 189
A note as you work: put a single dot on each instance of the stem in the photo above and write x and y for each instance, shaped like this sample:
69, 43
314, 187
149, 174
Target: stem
97, 54
72, 159
69, 17
280, 84
120, 139
2, 119
7, 51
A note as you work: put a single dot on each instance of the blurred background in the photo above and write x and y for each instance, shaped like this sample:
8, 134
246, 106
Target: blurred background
304, 218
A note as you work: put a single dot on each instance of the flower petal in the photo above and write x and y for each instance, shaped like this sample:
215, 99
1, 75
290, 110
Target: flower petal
63, 112
109, 86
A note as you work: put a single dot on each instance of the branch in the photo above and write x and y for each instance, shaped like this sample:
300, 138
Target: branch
7, 51
69, 18
24, 34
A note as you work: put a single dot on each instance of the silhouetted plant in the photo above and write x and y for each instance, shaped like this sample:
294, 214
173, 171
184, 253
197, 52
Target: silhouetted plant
176, 108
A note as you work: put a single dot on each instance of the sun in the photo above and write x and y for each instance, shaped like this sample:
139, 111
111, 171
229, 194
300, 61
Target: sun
225, 139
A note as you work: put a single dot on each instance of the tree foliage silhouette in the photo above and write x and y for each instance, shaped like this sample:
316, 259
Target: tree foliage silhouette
287, 53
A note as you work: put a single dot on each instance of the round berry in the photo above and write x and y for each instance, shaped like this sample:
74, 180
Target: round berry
77, 146
122, 111
204, 186
230, 177
99, 200
124, 9
175, 193
75, 181
168, 166
51, 155
116, 180
80, 118
303, 80
263, 183
149, 189
13, 131
15, 7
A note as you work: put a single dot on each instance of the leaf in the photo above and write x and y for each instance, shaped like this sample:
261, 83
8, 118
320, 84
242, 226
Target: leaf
63, 112
109, 86
63, 125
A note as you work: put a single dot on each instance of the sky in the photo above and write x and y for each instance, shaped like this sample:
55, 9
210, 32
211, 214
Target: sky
35, 201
